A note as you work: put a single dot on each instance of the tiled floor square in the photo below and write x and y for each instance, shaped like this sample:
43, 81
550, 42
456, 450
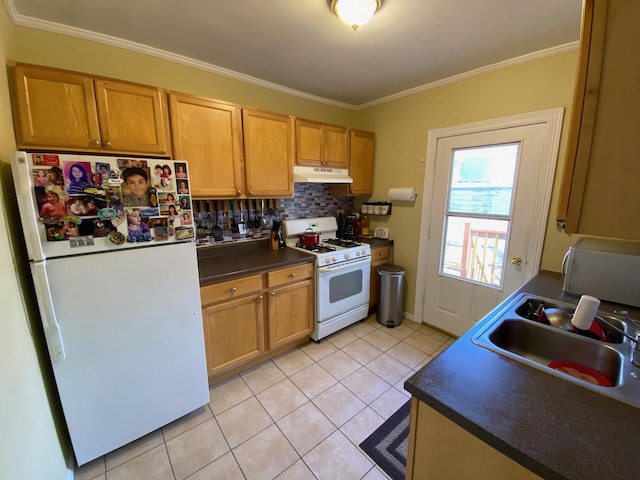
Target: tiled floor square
306, 427
292, 362
282, 399
388, 368
227, 394
339, 404
339, 364
243, 421
346, 461
263, 376
313, 380
196, 448
266, 455
366, 385
362, 351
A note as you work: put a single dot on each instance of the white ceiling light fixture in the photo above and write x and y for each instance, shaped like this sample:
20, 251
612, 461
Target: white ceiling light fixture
355, 13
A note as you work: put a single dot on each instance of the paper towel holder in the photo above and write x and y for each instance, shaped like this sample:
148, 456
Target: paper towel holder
403, 194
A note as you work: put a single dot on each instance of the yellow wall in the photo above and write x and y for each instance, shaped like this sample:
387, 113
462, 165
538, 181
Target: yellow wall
401, 128
29, 445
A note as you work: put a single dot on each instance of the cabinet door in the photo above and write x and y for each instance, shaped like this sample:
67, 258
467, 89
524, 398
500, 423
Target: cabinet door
234, 332
290, 313
361, 162
308, 143
53, 109
335, 146
208, 135
133, 118
599, 193
268, 149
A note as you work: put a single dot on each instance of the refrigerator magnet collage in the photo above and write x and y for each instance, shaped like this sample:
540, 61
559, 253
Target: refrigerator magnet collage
81, 199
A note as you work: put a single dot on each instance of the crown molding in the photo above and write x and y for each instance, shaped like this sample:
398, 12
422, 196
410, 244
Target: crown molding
549, 52
27, 21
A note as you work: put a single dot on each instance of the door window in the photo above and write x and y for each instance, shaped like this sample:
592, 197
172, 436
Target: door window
478, 213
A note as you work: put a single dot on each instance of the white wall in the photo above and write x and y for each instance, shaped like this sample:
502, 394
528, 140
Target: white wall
29, 444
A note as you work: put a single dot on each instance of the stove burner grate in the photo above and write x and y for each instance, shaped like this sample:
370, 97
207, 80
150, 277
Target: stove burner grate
316, 248
341, 242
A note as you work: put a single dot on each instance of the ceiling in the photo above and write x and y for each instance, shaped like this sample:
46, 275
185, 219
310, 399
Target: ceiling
300, 46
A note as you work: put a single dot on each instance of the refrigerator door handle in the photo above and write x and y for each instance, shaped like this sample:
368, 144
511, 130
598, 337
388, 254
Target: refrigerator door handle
52, 330
23, 183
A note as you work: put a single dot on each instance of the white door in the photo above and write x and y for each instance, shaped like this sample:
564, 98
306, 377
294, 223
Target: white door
489, 203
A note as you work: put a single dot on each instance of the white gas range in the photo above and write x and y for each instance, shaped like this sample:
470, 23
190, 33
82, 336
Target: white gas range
343, 269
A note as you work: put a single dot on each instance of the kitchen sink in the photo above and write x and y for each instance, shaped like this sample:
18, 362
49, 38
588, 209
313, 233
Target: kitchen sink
512, 334
544, 345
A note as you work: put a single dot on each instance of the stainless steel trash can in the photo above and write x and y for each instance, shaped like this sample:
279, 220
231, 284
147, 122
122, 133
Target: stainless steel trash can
390, 295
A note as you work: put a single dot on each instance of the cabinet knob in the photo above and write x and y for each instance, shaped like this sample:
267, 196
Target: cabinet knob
293, 275
250, 192
107, 143
260, 298
273, 294
234, 289
95, 142
238, 192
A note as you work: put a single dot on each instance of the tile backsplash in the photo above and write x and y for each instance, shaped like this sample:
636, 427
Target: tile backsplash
314, 200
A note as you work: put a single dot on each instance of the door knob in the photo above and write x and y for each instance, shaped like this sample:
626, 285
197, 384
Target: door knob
516, 261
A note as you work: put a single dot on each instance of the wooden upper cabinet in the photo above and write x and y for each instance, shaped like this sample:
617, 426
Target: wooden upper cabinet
599, 194
361, 162
268, 151
208, 135
132, 117
319, 144
56, 109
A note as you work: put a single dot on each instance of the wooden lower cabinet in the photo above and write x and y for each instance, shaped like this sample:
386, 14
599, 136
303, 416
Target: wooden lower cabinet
379, 256
235, 332
242, 329
439, 449
290, 313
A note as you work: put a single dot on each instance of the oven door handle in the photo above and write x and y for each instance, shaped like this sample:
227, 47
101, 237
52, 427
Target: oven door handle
338, 268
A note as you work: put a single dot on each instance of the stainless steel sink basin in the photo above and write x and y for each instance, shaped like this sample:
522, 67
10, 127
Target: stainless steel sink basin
544, 345
511, 334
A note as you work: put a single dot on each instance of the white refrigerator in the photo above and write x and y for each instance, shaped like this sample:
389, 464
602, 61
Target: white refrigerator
112, 254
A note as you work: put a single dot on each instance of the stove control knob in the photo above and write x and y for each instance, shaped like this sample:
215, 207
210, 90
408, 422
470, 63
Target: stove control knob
358, 253
346, 256
364, 253
327, 260
334, 259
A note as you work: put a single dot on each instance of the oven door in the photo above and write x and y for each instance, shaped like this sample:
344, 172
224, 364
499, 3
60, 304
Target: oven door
342, 287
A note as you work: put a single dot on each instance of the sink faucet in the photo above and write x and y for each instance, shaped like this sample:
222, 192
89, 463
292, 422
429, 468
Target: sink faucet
635, 354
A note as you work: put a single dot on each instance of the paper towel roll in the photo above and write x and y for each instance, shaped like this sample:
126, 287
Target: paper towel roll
407, 194
585, 312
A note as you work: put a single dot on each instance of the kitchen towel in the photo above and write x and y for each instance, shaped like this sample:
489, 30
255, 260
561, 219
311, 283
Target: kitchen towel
407, 194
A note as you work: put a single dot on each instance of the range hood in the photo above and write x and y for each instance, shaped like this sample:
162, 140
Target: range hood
303, 174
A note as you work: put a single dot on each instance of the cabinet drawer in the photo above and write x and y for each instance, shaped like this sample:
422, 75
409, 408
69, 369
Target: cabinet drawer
290, 274
380, 255
230, 289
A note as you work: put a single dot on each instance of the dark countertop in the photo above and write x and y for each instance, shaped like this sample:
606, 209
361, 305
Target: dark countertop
218, 263
376, 242
555, 428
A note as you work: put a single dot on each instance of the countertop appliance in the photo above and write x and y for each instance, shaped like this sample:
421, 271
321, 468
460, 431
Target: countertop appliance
608, 269
342, 278
115, 274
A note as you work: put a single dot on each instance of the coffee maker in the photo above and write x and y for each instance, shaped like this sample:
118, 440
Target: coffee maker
349, 231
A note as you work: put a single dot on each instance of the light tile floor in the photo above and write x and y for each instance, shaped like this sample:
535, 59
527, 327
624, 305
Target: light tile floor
298, 416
